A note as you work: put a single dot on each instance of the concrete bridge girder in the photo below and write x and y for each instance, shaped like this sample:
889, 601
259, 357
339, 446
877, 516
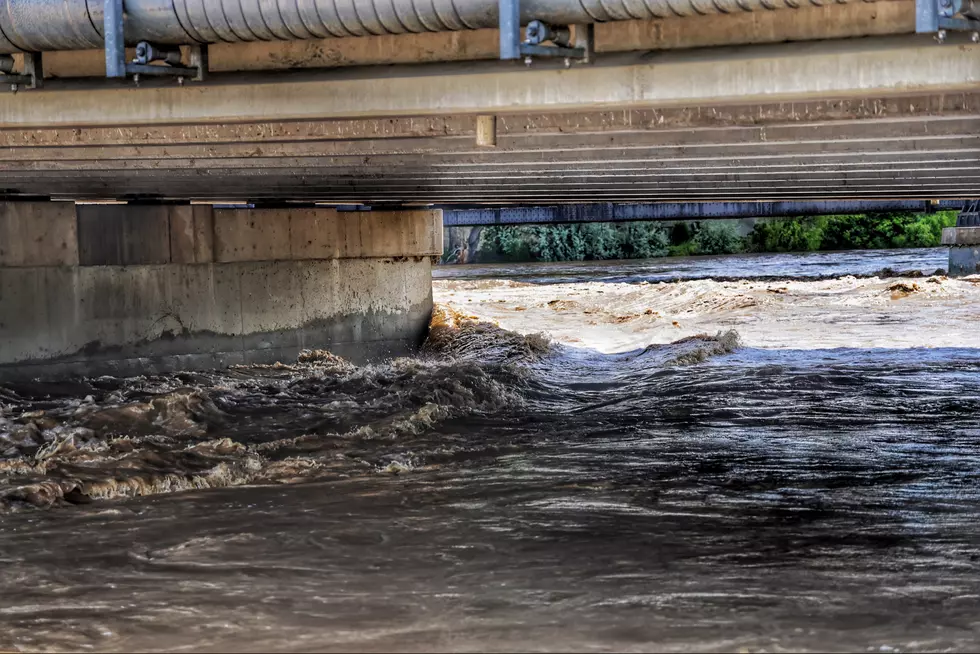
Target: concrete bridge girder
826, 114
877, 118
797, 72
182, 145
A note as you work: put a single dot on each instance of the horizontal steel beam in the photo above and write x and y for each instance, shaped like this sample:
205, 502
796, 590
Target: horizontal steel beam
784, 72
609, 212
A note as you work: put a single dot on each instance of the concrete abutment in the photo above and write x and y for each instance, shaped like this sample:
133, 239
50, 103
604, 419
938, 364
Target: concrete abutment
964, 242
138, 289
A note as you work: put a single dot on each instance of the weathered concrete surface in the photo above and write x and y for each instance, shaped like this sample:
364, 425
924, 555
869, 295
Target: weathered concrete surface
127, 234
120, 235
172, 287
38, 234
964, 250
964, 244
149, 318
246, 235
191, 234
964, 260
961, 236
323, 233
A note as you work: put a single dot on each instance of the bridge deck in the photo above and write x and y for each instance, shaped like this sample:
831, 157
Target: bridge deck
888, 117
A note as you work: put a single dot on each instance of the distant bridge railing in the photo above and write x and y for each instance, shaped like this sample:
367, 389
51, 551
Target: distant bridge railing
611, 212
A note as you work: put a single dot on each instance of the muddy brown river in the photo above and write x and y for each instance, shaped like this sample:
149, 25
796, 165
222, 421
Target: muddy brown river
631, 456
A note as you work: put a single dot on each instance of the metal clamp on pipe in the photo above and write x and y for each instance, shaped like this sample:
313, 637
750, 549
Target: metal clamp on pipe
571, 43
171, 63
938, 16
32, 76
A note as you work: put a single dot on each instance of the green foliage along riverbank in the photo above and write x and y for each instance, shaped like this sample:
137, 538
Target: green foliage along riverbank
641, 240
574, 242
852, 232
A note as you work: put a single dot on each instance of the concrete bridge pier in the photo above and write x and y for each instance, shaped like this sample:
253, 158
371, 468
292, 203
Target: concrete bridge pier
964, 242
133, 289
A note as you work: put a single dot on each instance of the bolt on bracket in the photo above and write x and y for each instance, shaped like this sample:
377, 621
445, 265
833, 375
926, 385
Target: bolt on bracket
937, 16
576, 42
116, 65
32, 76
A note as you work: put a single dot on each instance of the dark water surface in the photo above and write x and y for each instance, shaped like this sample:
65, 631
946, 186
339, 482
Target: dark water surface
501, 495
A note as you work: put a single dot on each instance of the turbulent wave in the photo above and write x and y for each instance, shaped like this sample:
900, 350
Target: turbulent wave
320, 416
454, 334
698, 348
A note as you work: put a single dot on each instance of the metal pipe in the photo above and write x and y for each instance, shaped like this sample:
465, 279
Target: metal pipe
43, 25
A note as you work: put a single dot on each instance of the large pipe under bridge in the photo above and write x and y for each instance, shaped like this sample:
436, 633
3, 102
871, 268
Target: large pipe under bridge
46, 25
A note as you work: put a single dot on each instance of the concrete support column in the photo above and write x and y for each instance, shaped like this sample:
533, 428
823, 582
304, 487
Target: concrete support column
133, 289
964, 242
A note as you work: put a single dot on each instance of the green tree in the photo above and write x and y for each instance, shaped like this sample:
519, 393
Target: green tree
630, 240
881, 230
503, 243
642, 241
718, 237
787, 235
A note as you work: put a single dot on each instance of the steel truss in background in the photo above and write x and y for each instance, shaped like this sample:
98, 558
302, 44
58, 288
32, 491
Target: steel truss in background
612, 212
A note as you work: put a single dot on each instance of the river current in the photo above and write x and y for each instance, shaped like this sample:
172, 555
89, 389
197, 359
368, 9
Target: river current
722, 454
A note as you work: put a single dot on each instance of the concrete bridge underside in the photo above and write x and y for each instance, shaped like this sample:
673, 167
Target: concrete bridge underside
164, 284
872, 118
